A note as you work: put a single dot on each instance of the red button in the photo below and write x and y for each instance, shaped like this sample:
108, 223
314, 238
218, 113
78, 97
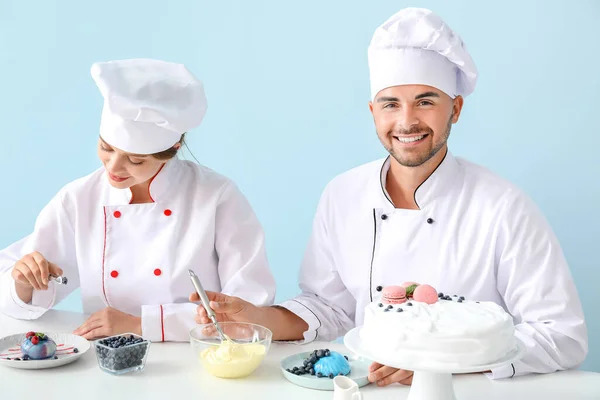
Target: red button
117, 214
114, 274
168, 212
157, 272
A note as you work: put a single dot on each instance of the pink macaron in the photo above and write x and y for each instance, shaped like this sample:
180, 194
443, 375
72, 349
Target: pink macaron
426, 294
393, 295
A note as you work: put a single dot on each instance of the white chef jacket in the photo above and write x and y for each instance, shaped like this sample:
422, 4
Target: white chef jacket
474, 235
135, 257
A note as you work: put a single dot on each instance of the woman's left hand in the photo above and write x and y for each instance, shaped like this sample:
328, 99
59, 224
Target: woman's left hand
109, 322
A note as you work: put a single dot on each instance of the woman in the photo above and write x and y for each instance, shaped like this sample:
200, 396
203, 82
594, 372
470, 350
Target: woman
128, 233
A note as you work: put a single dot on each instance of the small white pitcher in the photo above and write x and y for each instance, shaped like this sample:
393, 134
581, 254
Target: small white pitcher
345, 388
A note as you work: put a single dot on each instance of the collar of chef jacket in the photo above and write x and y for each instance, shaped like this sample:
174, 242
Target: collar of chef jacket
160, 184
438, 185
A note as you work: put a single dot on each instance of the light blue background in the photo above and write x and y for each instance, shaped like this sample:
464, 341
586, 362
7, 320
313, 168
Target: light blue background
288, 87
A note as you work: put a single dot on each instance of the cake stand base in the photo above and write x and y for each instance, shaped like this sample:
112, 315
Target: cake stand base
431, 386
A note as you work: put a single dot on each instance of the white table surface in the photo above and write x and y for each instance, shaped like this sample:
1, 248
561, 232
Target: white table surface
172, 373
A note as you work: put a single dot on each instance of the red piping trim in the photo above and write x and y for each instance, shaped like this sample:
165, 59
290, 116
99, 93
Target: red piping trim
149, 184
103, 258
162, 324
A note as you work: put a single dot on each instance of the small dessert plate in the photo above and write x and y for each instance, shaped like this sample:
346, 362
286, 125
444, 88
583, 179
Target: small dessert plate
359, 372
68, 349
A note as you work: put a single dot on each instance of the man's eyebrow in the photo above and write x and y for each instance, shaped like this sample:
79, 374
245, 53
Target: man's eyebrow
384, 99
426, 94
418, 97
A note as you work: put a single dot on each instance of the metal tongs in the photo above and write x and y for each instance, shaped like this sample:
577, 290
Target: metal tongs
62, 280
206, 303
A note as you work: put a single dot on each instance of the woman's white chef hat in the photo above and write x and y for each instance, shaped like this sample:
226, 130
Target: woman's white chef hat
415, 46
148, 104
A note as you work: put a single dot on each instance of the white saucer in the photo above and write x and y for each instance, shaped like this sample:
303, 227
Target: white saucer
354, 343
10, 347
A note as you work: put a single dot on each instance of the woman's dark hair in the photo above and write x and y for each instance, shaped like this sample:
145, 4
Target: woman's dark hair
170, 153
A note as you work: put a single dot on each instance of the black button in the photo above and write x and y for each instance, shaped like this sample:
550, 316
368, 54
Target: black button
383, 216
430, 220
379, 288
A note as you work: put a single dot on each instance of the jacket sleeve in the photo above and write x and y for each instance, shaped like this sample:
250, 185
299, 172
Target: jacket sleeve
325, 303
538, 290
240, 245
53, 236
168, 322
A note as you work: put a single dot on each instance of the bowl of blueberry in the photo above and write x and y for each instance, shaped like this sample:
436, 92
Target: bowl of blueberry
122, 353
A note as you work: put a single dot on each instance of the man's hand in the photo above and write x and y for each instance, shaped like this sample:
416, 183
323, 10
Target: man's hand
284, 324
109, 322
385, 376
227, 308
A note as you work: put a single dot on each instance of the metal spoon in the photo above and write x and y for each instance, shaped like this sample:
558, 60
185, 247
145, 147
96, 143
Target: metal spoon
206, 303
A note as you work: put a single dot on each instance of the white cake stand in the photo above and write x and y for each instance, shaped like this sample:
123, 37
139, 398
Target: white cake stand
430, 382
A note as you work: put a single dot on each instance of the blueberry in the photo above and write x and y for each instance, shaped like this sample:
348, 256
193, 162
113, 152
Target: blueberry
440, 294
25, 357
295, 369
320, 353
75, 350
409, 304
477, 302
330, 376
56, 357
462, 298
454, 295
327, 352
319, 374
386, 310
390, 307
312, 371
459, 300
17, 359
399, 310
380, 304
346, 357
340, 374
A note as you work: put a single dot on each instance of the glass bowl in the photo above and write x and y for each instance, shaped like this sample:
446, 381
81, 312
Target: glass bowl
237, 359
122, 353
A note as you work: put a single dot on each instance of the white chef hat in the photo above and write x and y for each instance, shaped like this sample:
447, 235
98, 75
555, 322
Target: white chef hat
148, 104
415, 46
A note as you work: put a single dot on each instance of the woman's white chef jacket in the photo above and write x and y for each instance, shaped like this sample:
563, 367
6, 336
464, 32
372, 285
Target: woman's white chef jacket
135, 257
475, 235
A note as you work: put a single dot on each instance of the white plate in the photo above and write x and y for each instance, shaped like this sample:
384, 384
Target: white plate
354, 343
359, 371
10, 347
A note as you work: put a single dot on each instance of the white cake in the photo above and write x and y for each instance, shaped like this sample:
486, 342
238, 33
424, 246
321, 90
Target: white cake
447, 332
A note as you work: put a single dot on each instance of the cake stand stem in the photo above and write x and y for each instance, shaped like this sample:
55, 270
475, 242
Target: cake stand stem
431, 386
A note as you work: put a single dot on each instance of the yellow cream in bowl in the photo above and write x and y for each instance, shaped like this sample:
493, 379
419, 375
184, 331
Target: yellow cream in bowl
230, 360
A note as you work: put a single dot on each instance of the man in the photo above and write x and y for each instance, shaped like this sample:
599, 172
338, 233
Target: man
423, 215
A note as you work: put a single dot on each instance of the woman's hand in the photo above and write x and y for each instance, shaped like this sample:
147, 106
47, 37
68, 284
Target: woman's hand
109, 322
32, 271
